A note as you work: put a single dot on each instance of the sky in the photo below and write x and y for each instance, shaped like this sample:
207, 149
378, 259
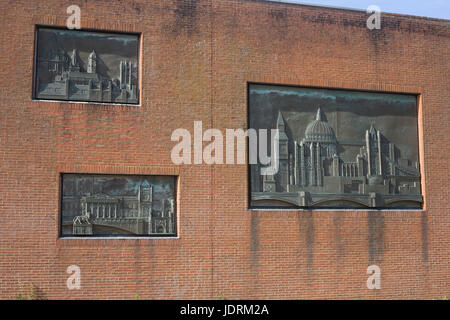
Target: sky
425, 8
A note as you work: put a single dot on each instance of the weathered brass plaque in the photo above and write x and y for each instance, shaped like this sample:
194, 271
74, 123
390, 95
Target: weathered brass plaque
86, 66
118, 205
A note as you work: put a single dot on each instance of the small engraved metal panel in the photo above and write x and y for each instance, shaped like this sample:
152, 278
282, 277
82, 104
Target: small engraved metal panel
86, 66
118, 205
337, 148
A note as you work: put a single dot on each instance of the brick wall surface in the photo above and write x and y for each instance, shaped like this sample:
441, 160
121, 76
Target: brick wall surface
196, 60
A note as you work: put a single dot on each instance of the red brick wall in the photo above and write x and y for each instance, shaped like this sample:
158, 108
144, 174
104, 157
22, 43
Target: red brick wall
197, 57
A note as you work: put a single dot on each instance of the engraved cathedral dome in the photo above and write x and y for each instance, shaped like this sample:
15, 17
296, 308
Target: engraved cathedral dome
319, 130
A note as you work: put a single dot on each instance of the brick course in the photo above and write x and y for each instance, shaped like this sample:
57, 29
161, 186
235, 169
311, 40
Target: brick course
196, 60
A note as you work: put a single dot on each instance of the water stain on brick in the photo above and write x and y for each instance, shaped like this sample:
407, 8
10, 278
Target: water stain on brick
39, 293
66, 126
185, 16
278, 14
136, 7
307, 230
424, 227
378, 39
375, 224
338, 235
354, 23
320, 18
415, 25
137, 264
254, 239
254, 254
279, 22
418, 27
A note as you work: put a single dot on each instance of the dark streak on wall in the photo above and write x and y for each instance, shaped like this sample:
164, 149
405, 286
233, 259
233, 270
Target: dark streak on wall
375, 223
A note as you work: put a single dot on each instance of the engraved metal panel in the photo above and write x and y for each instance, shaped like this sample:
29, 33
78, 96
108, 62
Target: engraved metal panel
118, 205
86, 66
337, 148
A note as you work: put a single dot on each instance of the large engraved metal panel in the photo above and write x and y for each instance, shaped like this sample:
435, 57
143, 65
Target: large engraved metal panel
118, 205
337, 148
86, 66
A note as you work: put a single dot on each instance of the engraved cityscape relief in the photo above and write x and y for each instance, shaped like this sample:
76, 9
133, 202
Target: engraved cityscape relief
111, 205
337, 149
86, 66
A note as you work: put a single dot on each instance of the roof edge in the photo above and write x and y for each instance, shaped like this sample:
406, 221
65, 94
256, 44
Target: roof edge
305, 4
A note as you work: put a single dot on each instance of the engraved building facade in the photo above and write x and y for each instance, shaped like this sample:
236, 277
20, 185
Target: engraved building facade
312, 173
62, 74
